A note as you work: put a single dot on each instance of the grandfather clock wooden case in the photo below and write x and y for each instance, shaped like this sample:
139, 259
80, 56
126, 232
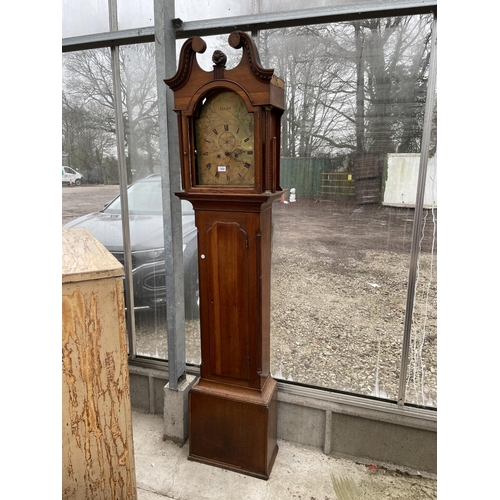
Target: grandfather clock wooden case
229, 130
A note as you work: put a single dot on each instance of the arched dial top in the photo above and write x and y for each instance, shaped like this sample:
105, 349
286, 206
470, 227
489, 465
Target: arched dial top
219, 112
224, 142
196, 45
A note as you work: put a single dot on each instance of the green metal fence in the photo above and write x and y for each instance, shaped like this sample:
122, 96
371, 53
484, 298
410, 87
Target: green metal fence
315, 178
303, 174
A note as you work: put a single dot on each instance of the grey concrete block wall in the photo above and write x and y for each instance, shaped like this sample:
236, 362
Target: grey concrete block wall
139, 391
158, 397
301, 425
146, 389
384, 442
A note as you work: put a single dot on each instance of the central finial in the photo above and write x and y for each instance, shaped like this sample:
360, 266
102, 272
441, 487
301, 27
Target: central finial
219, 58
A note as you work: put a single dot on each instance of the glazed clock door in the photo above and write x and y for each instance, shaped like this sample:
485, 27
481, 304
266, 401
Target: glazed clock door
224, 136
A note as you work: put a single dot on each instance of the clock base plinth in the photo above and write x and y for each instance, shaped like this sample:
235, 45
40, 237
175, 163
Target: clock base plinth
234, 427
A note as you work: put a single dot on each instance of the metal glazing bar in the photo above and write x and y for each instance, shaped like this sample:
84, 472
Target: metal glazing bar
122, 176
171, 178
99, 40
256, 22
283, 19
255, 32
417, 223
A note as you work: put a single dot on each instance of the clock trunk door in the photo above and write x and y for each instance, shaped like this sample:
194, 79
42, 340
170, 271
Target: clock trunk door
228, 280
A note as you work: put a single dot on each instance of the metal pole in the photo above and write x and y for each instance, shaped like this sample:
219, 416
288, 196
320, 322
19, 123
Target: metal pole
417, 223
255, 32
164, 14
122, 176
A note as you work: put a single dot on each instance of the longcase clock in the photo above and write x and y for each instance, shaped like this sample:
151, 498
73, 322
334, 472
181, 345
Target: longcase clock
229, 133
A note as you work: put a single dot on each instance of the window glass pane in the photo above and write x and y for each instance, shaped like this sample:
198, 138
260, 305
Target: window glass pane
355, 95
140, 112
88, 136
421, 381
285, 5
140, 120
212, 9
214, 42
139, 103
133, 14
84, 17
89, 149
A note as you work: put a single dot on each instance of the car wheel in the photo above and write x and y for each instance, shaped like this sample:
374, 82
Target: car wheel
192, 291
78, 182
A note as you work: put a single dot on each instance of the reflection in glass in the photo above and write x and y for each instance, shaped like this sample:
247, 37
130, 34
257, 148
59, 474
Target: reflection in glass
201, 9
421, 380
140, 116
341, 251
140, 112
84, 17
133, 14
286, 5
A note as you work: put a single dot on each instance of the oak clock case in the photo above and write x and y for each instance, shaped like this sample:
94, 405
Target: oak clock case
229, 136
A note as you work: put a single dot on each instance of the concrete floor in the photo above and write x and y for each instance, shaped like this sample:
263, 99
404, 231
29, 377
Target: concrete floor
301, 473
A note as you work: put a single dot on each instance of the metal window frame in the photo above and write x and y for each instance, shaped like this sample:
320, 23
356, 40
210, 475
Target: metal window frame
165, 14
418, 213
122, 179
255, 22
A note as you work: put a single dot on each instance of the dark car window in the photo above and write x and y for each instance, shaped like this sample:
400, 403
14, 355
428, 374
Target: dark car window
144, 197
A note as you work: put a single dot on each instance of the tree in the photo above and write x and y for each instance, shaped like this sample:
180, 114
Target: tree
397, 52
84, 139
89, 111
352, 88
319, 115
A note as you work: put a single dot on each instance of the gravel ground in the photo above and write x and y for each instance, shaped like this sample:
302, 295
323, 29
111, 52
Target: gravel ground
339, 296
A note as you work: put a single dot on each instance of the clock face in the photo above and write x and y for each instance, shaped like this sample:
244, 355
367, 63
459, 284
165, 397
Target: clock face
224, 135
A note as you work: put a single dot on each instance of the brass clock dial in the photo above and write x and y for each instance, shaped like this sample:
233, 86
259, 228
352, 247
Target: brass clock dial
224, 135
